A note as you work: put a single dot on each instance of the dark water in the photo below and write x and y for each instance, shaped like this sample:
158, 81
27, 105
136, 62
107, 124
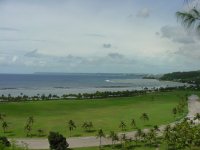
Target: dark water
33, 84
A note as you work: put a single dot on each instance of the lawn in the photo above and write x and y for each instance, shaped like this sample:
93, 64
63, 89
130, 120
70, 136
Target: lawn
104, 113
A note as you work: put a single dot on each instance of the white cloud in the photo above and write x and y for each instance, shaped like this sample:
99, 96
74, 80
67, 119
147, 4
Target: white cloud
143, 13
91, 36
177, 34
14, 59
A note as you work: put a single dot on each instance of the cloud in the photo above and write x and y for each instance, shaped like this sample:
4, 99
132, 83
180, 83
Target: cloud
35, 59
143, 13
177, 34
33, 53
95, 35
115, 55
108, 45
14, 59
191, 52
8, 29
19, 40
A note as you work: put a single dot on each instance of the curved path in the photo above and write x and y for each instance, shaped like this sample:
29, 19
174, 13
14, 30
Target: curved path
75, 142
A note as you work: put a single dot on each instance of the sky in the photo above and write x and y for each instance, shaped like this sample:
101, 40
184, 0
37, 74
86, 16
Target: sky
95, 36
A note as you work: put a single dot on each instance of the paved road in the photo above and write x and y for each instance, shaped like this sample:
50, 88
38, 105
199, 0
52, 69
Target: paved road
75, 142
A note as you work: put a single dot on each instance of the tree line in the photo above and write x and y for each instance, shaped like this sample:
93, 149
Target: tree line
96, 95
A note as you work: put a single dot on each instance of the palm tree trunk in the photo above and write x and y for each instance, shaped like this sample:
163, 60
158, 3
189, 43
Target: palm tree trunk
112, 143
100, 143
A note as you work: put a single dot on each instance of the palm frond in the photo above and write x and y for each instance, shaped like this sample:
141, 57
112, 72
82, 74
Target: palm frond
190, 19
195, 12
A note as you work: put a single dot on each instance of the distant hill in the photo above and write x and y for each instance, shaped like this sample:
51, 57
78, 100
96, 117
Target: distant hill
189, 77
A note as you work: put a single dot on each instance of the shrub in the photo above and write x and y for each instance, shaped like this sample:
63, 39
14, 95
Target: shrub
4, 141
57, 141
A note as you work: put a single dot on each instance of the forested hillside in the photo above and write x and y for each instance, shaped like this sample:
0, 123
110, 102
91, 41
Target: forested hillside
189, 77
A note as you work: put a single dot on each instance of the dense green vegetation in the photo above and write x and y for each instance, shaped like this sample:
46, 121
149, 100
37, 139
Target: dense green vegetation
183, 136
86, 96
37, 118
189, 77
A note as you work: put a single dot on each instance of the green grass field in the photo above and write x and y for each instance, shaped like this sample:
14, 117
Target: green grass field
104, 113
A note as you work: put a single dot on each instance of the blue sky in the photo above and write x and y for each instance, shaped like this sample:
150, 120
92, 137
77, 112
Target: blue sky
128, 36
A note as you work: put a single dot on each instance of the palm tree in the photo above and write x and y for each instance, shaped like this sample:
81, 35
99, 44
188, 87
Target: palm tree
133, 124
122, 125
85, 125
113, 136
190, 19
90, 125
174, 111
151, 136
144, 117
197, 116
2, 116
40, 132
123, 139
100, 134
28, 129
156, 128
30, 120
139, 135
4, 126
71, 126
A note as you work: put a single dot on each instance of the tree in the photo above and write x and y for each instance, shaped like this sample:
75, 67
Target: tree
113, 136
122, 125
4, 141
90, 125
123, 139
151, 136
190, 19
87, 126
4, 126
28, 129
57, 141
29, 125
71, 126
40, 132
156, 128
138, 135
2, 116
100, 134
133, 124
144, 117
197, 116
30, 120
174, 111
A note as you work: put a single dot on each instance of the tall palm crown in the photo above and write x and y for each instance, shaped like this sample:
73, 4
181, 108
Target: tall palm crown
190, 18
4, 126
145, 116
30, 120
122, 125
71, 125
2, 116
100, 133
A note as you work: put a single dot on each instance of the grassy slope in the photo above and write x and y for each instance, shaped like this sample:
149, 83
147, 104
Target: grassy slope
104, 113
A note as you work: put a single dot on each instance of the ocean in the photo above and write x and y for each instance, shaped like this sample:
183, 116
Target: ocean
73, 83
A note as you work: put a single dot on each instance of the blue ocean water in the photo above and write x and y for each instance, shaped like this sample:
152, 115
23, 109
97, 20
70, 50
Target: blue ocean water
33, 84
